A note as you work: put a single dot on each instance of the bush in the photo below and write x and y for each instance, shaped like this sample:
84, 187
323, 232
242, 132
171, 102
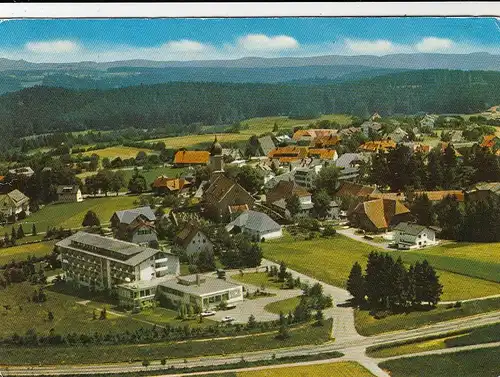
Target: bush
163, 361
458, 304
145, 363
381, 314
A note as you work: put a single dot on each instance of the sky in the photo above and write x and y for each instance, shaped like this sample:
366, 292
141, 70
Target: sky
101, 40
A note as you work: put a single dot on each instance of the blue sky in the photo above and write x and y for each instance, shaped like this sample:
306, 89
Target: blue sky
188, 39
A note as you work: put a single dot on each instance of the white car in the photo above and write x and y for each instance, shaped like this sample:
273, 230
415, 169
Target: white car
208, 313
227, 319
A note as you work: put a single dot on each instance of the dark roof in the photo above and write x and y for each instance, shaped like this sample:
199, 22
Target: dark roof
185, 236
68, 189
266, 144
128, 215
17, 196
256, 221
355, 189
284, 190
411, 229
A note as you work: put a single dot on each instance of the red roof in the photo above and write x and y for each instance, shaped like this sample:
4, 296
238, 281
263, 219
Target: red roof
192, 157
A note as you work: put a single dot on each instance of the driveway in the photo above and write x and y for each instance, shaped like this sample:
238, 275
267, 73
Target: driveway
358, 237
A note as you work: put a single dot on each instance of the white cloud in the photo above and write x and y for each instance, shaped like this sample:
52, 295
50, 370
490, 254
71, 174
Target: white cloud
431, 44
185, 45
377, 47
52, 47
259, 42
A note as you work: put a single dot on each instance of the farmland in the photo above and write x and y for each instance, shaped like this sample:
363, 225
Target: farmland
340, 369
21, 252
119, 151
330, 260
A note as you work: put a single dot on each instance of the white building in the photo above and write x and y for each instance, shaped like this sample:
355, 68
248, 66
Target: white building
412, 236
193, 240
69, 194
305, 176
257, 225
13, 203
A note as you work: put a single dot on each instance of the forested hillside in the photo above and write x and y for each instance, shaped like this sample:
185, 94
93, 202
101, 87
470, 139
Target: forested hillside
172, 106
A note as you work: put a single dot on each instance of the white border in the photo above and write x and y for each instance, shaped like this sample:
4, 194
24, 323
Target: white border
206, 10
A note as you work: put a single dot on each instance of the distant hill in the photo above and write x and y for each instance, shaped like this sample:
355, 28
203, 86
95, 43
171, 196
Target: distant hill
175, 105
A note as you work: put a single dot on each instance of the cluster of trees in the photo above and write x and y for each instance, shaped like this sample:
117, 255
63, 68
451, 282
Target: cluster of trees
249, 178
241, 253
283, 276
477, 221
401, 169
388, 286
105, 181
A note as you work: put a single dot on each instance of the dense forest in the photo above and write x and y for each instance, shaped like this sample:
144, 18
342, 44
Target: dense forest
175, 105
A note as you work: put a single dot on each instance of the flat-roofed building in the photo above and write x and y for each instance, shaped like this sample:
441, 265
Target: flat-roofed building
103, 263
199, 291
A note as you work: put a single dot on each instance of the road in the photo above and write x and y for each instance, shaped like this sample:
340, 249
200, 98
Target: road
359, 237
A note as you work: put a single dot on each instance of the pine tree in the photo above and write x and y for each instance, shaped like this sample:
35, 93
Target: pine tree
13, 235
251, 322
20, 232
432, 288
33, 230
397, 284
423, 210
356, 284
282, 272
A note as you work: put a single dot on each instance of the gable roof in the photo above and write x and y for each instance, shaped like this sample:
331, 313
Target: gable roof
288, 153
409, 228
266, 144
256, 221
191, 157
284, 190
127, 216
375, 146
68, 189
381, 211
346, 159
221, 187
322, 153
490, 141
185, 236
493, 187
172, 184
355, 189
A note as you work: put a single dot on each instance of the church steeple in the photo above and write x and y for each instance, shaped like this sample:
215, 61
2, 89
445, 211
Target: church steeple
216, 156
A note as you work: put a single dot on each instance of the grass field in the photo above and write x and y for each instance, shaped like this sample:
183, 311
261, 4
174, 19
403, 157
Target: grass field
368, 325
283, 306
22, 252
259, 279
119, 151
478, 335
70, 215
330, 260
190, 141
68, 315
340, 369
474, 363
307, 334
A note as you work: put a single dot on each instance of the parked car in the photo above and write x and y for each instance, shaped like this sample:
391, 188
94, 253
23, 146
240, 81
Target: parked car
208, 313
227, 319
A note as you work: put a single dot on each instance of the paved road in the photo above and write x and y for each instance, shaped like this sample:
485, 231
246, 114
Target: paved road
358, 237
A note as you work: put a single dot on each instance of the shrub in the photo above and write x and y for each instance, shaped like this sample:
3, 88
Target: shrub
145, 363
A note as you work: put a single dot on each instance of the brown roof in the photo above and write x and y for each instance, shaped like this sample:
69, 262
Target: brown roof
173, 184
380, 145
327, 141
221, 187
489, 141
288, 153
314, 133
322, 153
238, 208
185, 236
355, 189
381, 211
435, 196
192, 157
284, 190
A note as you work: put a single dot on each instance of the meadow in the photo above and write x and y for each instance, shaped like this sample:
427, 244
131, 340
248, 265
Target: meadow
473, 363
283, 306
22, 252
339, 369
258, 279
330, 260
118, 151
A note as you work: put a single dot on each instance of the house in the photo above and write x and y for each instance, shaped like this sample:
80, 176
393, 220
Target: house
379, 214
333, 212
378, 145
163, 185
306, 176
202, 292
236, 210
222, 193
103, 263
348, 189
375, 116
428, 121
370, 127
193, 240
14, 203
232, 153
135, 225
412, 236
348, 132
288, 154
326, 141
309, 136
266, 145
257, 225
276, 198
25, 171
483, 191
491, 142
191, 158
69, 194
323, 154
398, 135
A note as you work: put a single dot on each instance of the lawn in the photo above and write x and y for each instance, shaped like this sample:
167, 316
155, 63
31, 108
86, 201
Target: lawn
368, 325
474, 363
69, 316
258, 279
478, 335
70, 215
119, 151
21, 252
162, 316
331, 259
93, 354
340, 369
283, 306
191, 141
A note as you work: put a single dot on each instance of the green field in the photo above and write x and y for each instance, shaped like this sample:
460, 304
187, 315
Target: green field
330, 260
478, 335
474, 363
191, 141
368, 325
283, 306
339, 369
22, 252
259, 279
70, 215
93, 354
119, 151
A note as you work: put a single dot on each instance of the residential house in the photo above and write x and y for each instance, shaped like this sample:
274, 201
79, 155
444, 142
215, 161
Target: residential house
306, 176
491, 142
348, 132
308, 137
375, 117
257, 225
202, 292
434, 196
412, 236
349, 164
379, 214
193, 240
25, 171
236, 210
163, 185
483, 191
351, 189
323, 154
14, 203
326, 141
222, 193
103, 263
288, 154
370, 127
398, 135
135, 225
191, 158
428, 121
378, 145
69, 194
266, 145
276, 198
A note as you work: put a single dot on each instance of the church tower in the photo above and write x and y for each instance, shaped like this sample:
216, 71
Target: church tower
216, 156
